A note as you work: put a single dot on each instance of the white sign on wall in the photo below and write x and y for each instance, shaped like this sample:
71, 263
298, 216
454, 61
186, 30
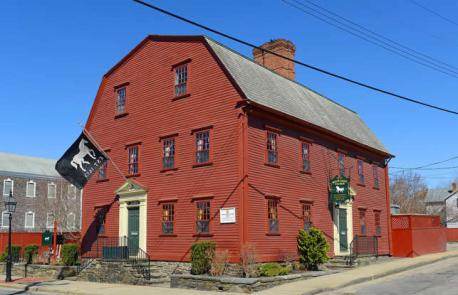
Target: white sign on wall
227, 215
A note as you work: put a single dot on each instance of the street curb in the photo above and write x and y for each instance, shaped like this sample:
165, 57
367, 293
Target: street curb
378, 276
20, 287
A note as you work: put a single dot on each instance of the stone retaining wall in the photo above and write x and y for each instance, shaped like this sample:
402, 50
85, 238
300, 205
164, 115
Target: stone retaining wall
40, 270
241, 285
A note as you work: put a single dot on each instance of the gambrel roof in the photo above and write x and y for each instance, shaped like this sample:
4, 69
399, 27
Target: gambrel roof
267, 88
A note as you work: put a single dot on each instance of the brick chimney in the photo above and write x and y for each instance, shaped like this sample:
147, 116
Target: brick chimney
279, 65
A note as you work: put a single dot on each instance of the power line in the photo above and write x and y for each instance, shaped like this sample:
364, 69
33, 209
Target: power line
424, 169
434, 12
374, 38
427, 165
386, 92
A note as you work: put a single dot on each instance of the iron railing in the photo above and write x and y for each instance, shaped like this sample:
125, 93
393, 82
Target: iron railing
363, 246
120, 249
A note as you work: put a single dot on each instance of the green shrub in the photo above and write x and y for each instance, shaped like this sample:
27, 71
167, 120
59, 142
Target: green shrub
15, 253
3, 256
272, 270
201, 257
30, 251
313, 248
69, 254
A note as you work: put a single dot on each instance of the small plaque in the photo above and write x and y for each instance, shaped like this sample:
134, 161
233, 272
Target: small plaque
227, 215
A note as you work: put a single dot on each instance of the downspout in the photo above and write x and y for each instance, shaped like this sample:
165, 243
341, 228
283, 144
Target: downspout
388, 206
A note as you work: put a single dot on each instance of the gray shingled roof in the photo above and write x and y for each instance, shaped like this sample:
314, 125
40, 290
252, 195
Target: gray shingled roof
274, 91
437, 195
11, 164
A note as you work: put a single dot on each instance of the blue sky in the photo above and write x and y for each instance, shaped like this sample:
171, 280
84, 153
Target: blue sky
54, 53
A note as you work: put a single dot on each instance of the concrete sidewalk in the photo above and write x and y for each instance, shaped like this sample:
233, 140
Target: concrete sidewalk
311, 286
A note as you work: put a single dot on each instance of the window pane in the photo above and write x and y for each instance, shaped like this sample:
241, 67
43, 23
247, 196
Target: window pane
203, 146
168, 150
50, 220
121, 100
306, 157
272, 214
375, 172
133, 160
341, 160
203, 217
7, 187
102, 174
168, 216
272, 154
360, 172
30, 189
71, 221
5, 219
51, 190
181, 78
29, 219
307, 216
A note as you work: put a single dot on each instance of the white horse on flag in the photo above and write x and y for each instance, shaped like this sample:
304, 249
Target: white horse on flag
78, 159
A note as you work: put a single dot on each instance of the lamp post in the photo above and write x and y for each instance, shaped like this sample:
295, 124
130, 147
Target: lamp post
10, 206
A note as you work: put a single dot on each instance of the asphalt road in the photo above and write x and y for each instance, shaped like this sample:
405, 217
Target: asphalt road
439, 278
6, 291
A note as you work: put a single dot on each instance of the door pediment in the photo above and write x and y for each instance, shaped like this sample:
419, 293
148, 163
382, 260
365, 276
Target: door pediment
129, 188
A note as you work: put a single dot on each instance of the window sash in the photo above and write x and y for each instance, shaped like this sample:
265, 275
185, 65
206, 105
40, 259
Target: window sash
272, 148
71, 221
181, 78
29, 221
50, 220
203, 217
341, 162
360, 172
272, 215
378, 228
305, 157
121, 100
203, 146
30, 189
102, 172
362, 221
168, 153
8, 185
133, 160
376, 180
307, 216
168, 218
52, 190
5, 219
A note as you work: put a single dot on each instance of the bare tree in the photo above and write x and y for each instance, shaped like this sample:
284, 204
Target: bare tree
408, 190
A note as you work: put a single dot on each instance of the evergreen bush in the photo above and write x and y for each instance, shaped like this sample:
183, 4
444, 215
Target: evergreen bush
69, 254
272, 270
201, 257
312, 247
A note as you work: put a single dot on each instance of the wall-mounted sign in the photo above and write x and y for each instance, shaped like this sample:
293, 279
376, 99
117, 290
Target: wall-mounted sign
227, 215
340, 189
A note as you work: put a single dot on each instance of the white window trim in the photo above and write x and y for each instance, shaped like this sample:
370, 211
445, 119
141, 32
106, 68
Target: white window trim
55, 190
3, 225
6, 194
47, 219
72, 194
74, 221
34, 189
33, 219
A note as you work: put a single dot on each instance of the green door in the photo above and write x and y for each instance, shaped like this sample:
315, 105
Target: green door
343, 238
133, 230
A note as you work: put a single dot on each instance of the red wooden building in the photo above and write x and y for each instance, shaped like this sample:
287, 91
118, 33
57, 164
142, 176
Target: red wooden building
217, 146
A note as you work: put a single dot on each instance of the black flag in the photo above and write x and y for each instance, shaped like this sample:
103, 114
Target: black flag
80, 161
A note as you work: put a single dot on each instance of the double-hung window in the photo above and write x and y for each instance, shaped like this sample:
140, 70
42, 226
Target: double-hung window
121, 100
272, 215
71, 191
168, 153
203, 217
71, 221
341, 162
8, 186
181, 79
29, 219
31, 187
362, 222
203, 146
168, 218
272, 148
360, 171
52, 191
132, 152
307, 215
50, 220
375, 173
305, 148
378, 228
5, 218
102, 173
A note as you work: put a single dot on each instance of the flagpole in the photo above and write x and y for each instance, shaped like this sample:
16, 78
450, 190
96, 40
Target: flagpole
102, 151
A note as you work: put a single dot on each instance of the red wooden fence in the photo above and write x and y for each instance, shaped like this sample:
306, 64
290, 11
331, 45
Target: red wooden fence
415, 235
27, 238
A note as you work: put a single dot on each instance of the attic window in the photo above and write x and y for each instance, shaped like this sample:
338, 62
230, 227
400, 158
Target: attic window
121, 100
181, 79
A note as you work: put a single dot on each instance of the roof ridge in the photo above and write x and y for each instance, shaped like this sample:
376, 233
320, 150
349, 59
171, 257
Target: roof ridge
26, 156
294, 81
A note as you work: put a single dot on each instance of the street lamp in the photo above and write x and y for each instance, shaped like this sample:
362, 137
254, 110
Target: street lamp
10, 206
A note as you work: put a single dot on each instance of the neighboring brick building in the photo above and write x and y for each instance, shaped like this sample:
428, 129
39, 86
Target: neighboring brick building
41, 195
197, 127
